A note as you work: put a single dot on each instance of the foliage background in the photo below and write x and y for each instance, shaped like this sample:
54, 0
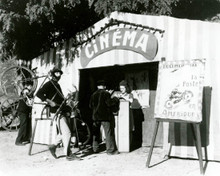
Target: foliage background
30, 27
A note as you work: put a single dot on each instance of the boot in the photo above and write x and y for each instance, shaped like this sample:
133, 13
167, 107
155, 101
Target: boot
52, 149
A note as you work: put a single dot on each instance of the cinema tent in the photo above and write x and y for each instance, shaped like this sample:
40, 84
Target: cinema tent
130, 46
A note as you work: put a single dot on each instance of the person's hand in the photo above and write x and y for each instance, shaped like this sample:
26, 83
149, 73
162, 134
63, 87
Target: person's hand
122, 96
110, 91
25, 92
29, 101
51, 103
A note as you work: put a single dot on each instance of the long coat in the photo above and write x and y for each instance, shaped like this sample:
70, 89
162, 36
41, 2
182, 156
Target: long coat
101, 103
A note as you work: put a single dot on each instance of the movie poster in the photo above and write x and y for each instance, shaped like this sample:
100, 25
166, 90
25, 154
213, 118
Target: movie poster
179, 90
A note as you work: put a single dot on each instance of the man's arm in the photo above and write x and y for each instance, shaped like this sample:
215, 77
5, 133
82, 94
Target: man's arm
51, 103
110, 101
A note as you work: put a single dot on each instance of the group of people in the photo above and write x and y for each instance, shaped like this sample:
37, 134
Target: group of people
51, 93
103, 106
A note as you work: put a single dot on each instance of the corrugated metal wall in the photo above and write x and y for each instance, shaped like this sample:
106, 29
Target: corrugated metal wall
183, 40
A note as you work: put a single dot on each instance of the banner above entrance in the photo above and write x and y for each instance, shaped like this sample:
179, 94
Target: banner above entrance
137, 40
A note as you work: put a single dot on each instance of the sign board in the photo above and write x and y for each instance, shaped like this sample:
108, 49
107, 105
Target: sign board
179, 90
137, 40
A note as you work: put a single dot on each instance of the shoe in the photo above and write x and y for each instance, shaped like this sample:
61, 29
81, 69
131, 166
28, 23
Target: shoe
19, 144
25, 142
72, 157
116, 152
52, 149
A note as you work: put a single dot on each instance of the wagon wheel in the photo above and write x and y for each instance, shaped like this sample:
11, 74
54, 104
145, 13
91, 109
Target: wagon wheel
9, 119
13, 79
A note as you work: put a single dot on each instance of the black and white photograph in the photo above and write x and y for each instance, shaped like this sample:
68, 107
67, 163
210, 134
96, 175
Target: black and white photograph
109, 87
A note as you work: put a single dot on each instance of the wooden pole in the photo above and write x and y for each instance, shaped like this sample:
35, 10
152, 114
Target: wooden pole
199, 147
196, 136
152, 143
32, 137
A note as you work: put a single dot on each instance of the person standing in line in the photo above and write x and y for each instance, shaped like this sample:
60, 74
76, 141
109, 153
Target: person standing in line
101, 103
51, 92
125, 95
136, 115
24, 114
124, 91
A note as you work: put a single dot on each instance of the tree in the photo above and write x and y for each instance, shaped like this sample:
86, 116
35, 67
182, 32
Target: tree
29, 28
151, 7
197, 9
191, 9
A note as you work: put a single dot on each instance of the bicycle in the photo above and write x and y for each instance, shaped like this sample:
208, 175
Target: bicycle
80, 129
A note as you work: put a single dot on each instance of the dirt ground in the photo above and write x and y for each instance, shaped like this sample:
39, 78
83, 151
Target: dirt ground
15, 161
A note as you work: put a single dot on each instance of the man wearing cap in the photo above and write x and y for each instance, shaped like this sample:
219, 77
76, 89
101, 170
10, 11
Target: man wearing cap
101, 103
51, 92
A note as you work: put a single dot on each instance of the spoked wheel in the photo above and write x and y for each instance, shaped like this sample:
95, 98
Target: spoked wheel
82, 133
13, 79
9, 119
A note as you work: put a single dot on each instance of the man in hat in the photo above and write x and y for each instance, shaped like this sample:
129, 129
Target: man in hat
51, 92
101, 103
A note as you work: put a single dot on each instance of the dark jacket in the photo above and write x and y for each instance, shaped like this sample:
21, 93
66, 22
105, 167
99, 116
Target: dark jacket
23, 107
101, 104
52, 91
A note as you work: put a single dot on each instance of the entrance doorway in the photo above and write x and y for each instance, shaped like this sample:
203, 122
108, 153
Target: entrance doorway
139, 76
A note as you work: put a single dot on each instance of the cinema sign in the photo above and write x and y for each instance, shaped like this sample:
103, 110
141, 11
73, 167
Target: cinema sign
137, 40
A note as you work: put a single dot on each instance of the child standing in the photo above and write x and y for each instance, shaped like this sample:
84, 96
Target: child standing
24, 112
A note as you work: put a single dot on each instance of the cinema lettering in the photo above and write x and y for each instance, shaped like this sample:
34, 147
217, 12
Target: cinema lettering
137, 40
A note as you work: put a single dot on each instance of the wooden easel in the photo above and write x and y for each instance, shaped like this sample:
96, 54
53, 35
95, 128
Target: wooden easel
34, 131
196, 134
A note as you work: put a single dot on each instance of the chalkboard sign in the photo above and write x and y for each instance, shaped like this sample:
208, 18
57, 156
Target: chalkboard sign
179, 90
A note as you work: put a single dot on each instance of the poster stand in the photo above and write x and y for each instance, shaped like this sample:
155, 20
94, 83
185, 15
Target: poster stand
179, 98
34, 132
196, 135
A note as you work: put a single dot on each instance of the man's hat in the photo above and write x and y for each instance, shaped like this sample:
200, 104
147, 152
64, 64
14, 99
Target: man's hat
101, 83
55, 69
